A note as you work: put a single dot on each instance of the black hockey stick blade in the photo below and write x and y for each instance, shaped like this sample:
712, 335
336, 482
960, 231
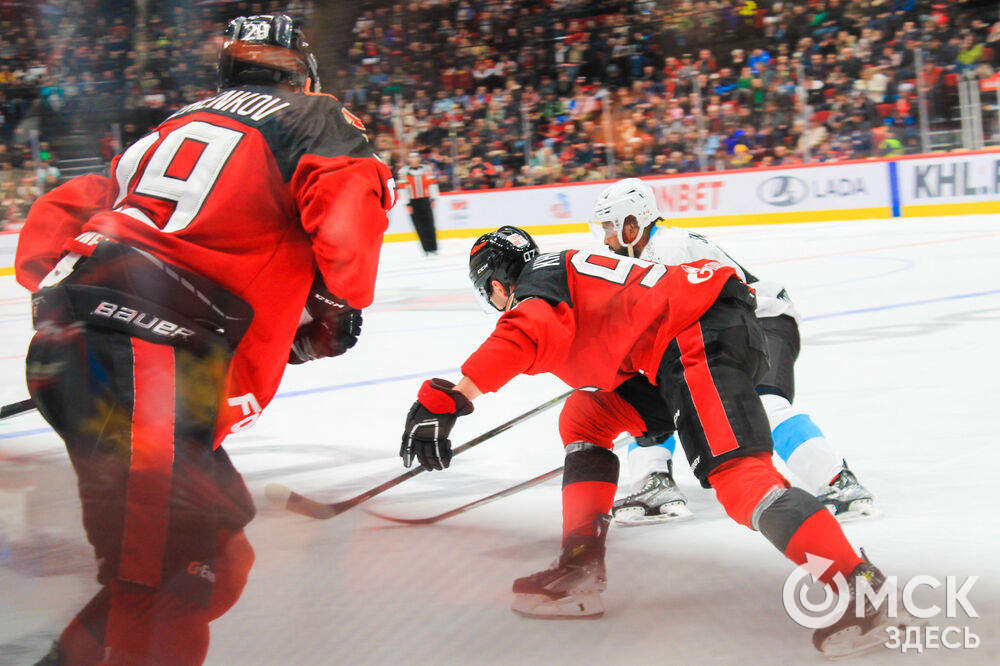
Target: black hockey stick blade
285, 497
506, 492
15, 408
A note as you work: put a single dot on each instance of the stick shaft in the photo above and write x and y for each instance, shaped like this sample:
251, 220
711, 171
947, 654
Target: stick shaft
15, 408
323, 510
506, 492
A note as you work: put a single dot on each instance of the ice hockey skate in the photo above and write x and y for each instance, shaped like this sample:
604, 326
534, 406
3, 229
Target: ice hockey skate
570, 588
851, 635
658, 500
846, 498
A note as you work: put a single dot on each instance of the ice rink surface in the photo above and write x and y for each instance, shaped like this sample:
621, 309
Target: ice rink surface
900, 367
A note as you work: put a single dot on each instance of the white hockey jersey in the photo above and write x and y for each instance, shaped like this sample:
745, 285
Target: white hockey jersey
672, 245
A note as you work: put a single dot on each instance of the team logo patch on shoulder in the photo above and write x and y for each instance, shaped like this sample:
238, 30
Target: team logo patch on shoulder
353, 119
699, 274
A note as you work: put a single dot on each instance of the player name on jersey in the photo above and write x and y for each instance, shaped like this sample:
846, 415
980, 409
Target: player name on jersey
246, 103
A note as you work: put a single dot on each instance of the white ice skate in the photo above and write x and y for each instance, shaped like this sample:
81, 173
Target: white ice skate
658, 500
570, 588
846, 498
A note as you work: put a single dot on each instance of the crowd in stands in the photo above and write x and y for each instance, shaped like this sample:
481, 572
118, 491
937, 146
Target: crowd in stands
86, 66
664, 87
501, 93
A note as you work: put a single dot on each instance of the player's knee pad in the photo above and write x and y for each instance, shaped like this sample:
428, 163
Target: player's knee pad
590, 480
588, 462
742, 483
597, 417
782, 512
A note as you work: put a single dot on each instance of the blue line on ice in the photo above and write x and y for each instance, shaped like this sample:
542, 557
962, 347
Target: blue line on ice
909, 304
368, 382
432, 373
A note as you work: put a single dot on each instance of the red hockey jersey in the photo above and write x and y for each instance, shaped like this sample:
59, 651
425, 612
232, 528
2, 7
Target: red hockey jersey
593, 320
253, 188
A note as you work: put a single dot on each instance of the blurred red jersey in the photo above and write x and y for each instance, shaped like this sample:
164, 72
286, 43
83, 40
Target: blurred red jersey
593, 320
253, 188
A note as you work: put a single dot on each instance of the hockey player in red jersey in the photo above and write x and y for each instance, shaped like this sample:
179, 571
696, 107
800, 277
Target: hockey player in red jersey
628, 222
240, 235
596, 321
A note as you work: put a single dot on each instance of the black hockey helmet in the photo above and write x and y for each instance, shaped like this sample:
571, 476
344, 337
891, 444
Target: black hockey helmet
500, 255
266, 49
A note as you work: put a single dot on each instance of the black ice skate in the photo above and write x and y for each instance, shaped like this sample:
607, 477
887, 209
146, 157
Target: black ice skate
851, 635
846, 498
658, 500
570, 588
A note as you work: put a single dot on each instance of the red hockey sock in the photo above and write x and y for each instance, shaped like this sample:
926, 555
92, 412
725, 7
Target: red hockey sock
584, 501
822, 535
589, 483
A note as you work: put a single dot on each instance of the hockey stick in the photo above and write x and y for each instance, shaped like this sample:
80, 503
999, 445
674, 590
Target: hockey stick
507, 492
15, 408
293, 501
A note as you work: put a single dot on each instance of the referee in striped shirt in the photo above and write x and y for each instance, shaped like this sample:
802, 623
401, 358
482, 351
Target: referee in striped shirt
417, 189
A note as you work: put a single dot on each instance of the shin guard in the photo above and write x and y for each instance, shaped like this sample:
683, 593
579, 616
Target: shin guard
799, 525
590, 480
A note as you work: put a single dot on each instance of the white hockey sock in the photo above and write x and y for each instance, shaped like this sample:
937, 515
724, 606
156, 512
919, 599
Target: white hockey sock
644, 460
801, 444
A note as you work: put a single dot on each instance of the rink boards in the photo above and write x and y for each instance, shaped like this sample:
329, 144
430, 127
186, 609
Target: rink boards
953, 184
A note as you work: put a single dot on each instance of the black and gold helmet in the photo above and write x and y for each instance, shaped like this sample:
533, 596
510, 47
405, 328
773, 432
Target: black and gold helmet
264, 50
499, 255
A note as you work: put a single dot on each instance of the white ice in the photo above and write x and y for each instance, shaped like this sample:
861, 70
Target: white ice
899, 367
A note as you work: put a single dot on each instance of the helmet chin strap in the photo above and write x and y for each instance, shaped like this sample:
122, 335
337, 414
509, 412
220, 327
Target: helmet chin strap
629, 247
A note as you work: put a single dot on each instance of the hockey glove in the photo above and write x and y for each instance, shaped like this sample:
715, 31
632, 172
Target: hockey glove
429, 423
334, 328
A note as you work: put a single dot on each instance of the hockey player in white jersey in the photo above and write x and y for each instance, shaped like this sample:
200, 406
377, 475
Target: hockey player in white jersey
625, 220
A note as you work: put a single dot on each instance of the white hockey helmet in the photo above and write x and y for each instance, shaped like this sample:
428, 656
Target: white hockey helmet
629, 196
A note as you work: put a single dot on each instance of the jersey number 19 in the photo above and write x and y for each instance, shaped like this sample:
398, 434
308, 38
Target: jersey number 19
178, 174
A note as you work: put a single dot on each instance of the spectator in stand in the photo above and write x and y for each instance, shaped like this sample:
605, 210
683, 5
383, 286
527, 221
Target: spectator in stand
85, 69
742, 157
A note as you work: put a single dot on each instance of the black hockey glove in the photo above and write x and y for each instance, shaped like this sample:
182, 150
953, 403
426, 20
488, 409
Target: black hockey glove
334, 329
429, 423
